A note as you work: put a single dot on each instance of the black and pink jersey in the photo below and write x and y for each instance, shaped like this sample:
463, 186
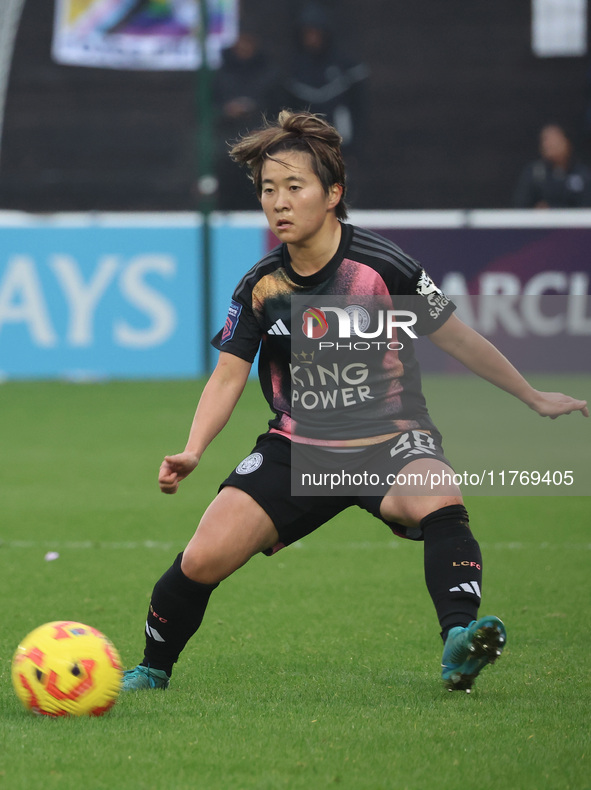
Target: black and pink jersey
369, 402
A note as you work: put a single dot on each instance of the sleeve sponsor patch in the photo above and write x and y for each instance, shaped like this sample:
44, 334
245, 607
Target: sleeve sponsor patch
231, 321
426, 286
437, 300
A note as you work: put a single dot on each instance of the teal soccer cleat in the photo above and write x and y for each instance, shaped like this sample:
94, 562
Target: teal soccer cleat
141, 677
468, 650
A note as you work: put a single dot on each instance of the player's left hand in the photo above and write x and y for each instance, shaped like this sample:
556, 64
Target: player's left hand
555, 404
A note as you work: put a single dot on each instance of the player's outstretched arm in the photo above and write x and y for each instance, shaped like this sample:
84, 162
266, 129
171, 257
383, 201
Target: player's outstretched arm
217, 402
481, 357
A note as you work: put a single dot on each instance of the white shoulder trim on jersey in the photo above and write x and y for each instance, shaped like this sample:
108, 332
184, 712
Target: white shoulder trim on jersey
274, 257
369, 243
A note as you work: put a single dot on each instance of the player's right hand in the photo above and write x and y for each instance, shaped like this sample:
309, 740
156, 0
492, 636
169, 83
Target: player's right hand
174, 469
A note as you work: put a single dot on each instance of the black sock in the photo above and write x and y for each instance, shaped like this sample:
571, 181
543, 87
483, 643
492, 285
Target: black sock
176, 611
453, 566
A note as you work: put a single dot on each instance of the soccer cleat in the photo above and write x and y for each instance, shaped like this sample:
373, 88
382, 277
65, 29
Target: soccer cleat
468, 650
141, 677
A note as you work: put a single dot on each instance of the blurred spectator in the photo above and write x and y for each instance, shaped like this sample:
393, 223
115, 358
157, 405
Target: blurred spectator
326, 80
244, 90
556, 180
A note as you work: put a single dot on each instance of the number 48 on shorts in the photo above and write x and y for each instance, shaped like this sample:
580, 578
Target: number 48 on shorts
413, 444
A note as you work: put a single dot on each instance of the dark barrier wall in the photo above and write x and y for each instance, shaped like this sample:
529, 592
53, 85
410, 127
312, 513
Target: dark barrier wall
455, 102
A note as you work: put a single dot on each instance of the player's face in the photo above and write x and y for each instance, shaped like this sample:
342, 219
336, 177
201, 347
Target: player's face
294, 201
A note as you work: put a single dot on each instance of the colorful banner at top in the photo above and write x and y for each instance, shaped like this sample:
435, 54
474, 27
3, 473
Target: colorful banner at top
140, 34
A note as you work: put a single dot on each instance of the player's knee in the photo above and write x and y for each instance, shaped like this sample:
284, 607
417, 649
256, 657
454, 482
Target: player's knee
410, 511
205, 567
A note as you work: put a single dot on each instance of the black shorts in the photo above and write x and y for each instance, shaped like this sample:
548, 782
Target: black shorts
266, 475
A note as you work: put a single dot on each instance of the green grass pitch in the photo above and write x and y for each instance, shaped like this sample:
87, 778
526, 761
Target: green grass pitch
313, 669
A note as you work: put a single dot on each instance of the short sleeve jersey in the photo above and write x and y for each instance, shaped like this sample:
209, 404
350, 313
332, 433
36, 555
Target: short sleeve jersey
365, 265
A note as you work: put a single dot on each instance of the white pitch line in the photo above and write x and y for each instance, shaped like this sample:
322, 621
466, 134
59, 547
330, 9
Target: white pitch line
333, 545
76, 545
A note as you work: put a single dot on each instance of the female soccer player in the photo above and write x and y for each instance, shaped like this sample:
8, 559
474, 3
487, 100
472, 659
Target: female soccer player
299, 176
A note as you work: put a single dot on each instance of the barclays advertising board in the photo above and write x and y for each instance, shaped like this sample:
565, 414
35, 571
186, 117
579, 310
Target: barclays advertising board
122, 296
88, 299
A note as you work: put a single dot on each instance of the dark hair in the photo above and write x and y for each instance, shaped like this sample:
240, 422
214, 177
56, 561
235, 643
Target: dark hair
295, 131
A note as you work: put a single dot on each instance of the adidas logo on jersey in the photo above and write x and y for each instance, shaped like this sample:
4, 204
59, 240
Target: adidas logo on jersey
279, 328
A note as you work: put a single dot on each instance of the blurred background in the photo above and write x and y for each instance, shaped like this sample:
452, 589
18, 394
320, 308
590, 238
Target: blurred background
124, 226
441, 104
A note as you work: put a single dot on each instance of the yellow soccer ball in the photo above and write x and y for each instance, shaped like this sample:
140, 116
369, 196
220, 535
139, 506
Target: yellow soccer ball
67, 669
